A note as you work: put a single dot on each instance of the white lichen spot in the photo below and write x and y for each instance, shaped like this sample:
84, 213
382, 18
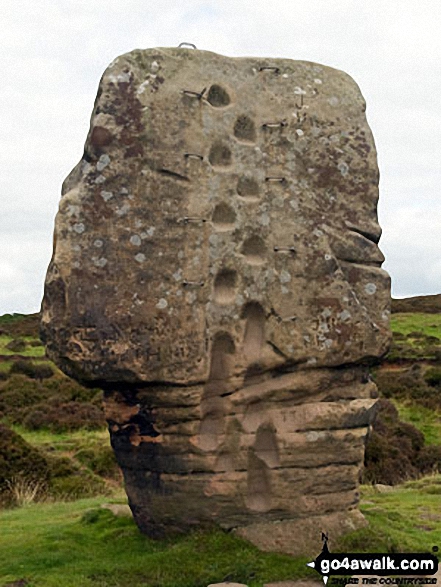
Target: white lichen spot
311, 361
100, 179
299, 91
135, 240
179, 292
98, 243
214, 240
317, 232
284, 277
326, 313
307, 338
162, 304
177, 275
345, 315
85, 167
76, 248
284, 289
318, 81
264, 220
370, 288
343, 168
138, 302
312, 436
142, 88
140, 258
124, 191
285, 76
73, 210
101, 262
190, 297
299, 132
106, 195
328, 343
79, 227
294, 205
333, 101
240, 300
328, 257
154, 68
123, 77
181, 255
123, 210
151, 231
103, 162
385, 315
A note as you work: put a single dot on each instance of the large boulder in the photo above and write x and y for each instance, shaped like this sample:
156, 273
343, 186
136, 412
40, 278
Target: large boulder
216, 271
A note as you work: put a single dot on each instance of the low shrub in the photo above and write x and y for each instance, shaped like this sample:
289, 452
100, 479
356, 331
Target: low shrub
18, 394
57, 404
395, 450
433, 377
411, 383
31, 370
64, 416
16, 345
100, 460
21, 465
79, 485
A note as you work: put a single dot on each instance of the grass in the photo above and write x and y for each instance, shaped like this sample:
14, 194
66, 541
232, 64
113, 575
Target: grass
427, 324
30, 351
63, 441
50, 544
405, 520
426, 420
417, 337
80, 544
5, 366
10, 318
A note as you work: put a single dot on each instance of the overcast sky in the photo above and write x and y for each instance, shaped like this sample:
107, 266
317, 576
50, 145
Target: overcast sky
53, 53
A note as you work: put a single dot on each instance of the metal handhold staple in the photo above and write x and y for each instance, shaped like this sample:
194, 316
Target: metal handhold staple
188, 45
285, 250
188, 219
270, 68
282, 123
193, 156
186, 283
193, 94
275, 179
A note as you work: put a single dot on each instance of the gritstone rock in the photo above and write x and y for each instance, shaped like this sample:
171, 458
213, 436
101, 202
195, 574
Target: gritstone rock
216, 271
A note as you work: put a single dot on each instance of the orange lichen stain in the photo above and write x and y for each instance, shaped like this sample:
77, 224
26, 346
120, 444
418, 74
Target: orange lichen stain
136, 439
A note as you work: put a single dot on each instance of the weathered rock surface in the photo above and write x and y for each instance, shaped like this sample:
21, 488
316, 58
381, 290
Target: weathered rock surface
216, 270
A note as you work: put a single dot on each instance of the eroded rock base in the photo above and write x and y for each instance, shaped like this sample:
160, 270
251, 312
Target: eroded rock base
277, 458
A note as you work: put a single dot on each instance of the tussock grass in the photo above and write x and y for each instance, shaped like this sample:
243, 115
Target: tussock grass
426, 420
82, 545
427, 324
407, 519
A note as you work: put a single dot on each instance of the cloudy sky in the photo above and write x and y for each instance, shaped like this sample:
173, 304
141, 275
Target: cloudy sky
53, 53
